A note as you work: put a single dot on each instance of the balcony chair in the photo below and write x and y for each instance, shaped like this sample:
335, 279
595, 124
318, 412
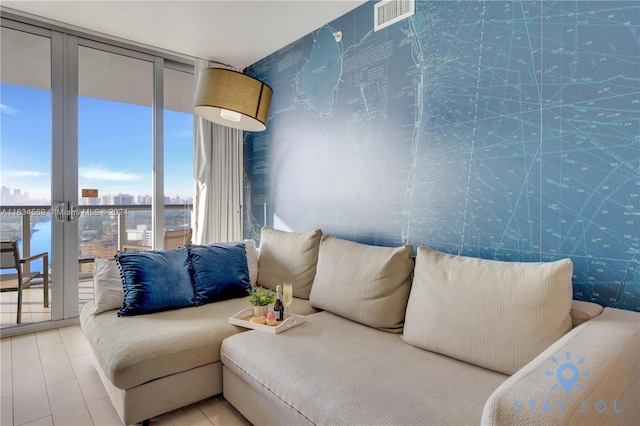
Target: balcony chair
172, 240
10, 259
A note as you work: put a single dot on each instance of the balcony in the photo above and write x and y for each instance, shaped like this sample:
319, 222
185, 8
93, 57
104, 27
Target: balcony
102, 233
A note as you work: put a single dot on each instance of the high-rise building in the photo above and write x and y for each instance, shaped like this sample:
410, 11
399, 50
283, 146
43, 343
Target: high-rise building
102, 250
6, 195
15, 197
144, 199
142, 235
123, 199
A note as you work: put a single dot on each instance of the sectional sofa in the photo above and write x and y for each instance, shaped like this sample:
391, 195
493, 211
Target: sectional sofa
388, 339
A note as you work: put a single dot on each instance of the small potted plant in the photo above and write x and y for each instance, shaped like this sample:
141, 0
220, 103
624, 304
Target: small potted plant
260, 299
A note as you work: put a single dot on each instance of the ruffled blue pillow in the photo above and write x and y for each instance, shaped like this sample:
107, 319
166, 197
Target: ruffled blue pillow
218, 272
155, 281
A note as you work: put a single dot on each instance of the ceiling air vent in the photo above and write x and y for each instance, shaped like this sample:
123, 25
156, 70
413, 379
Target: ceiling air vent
389, 12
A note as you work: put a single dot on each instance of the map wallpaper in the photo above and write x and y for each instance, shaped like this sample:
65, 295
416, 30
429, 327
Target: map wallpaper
493, 129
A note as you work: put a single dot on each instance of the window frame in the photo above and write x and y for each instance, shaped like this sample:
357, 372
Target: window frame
65, 43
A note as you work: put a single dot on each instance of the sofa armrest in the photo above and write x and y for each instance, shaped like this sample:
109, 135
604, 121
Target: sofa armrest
589, 376
583, 311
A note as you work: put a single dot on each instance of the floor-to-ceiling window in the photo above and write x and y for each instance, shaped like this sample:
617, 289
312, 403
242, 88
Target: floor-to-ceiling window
83, 153
25, 164
115, 127
179, 85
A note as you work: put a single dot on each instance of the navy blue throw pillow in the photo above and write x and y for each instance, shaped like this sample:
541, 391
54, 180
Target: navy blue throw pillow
218, 272
155, 281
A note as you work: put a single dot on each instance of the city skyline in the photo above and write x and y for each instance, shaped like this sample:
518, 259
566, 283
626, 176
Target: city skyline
17, 196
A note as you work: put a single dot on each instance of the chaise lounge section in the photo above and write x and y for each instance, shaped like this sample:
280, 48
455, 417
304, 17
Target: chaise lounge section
154, 363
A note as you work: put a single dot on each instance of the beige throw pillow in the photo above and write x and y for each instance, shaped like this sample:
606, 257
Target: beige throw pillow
107, 286
367, 284
252, 260
288, 257
497, 315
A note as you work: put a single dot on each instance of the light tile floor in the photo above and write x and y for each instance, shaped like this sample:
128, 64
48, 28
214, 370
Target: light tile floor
48, 378
33, 309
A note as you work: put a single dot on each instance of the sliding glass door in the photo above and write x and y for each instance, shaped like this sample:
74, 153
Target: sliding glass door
39, 145
97, 156
115, 162
25, 169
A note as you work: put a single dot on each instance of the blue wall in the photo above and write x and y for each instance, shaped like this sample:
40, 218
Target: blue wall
502, 130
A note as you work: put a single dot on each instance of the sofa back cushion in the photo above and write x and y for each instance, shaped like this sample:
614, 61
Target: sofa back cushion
155, 281
497, 315
364, 283
219, 272
288, 257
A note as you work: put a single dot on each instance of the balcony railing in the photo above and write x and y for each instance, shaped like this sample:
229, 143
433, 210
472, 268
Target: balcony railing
119, 213
102, 232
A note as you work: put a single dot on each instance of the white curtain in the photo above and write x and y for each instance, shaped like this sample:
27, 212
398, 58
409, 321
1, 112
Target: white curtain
218, 158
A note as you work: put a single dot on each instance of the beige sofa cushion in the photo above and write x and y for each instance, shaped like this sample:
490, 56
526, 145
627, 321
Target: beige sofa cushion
498, 315
367, 284
288, 257
135, 350
334, 371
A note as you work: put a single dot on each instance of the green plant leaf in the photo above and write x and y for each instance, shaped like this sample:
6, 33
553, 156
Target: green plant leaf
260, 297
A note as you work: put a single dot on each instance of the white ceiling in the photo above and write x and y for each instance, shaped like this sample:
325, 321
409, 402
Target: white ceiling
233, 32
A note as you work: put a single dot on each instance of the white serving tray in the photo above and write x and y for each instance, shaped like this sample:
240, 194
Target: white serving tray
242, 319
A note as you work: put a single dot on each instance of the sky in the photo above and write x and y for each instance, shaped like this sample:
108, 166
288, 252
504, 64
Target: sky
114, 145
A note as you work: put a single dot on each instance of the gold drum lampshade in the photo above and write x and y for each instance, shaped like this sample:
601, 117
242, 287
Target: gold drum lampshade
232, 99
